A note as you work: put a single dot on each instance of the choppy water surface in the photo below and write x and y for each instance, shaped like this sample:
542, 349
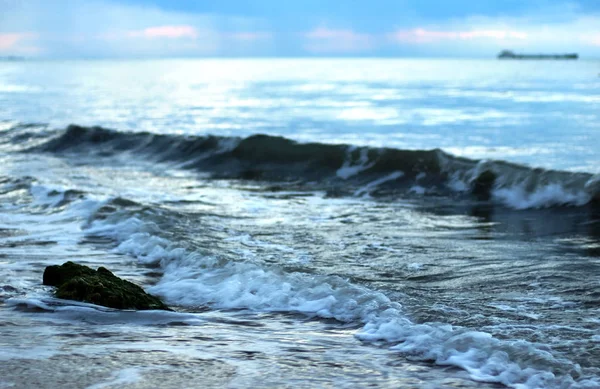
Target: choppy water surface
379, 251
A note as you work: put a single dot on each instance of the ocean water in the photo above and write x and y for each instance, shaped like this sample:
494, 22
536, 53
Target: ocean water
312, 222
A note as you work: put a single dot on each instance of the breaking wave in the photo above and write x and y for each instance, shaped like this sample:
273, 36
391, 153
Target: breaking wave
192, 278
339, 169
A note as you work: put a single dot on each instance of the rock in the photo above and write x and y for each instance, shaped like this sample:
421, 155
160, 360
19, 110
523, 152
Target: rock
482, 186
58, 275
100, 287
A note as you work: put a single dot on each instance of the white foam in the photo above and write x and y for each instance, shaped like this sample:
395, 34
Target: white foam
592, 186
417, 189
457, 184
68, 310
524, 188
365, 190
192, 279
120, 378
349, 169
518, 197
414, 266
485, 358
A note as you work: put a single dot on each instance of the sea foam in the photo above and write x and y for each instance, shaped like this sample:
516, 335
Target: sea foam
193, 279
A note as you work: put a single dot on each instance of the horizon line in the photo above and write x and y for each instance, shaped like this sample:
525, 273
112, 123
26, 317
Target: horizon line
18, 58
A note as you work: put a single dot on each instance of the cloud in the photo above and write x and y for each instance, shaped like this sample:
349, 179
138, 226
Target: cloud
8, 41
187, 39
172, 32
543, 31
107, 28
133, 28
18, 43
186, 32
556, 28
422, 35
322, 40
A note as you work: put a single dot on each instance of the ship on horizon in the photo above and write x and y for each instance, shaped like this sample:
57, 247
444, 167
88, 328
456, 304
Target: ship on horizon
507, 54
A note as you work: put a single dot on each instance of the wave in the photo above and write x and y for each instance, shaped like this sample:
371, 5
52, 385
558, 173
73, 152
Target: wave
339, 169
192, 278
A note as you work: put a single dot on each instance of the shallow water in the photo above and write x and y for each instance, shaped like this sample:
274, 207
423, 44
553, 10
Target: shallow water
303, 266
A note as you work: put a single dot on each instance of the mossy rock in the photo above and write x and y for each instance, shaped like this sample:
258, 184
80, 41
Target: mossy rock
100, 287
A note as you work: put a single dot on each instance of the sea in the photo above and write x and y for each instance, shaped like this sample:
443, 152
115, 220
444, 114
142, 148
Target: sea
313, 223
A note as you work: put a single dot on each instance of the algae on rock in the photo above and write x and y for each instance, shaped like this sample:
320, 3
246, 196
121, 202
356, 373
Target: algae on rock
100, 287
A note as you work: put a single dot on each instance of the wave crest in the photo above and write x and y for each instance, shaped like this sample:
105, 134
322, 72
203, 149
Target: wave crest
341, 169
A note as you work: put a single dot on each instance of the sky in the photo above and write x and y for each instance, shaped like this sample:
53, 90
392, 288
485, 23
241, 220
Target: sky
296, 28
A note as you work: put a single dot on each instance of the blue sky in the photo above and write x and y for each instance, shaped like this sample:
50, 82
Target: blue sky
214, 28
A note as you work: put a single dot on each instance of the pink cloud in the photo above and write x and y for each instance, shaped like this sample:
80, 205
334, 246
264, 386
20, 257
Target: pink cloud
175, 32
172, 32
421, 35
13, 41
323, 40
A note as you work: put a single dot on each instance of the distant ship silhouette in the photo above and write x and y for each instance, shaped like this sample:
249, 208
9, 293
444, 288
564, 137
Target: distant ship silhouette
507, 54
